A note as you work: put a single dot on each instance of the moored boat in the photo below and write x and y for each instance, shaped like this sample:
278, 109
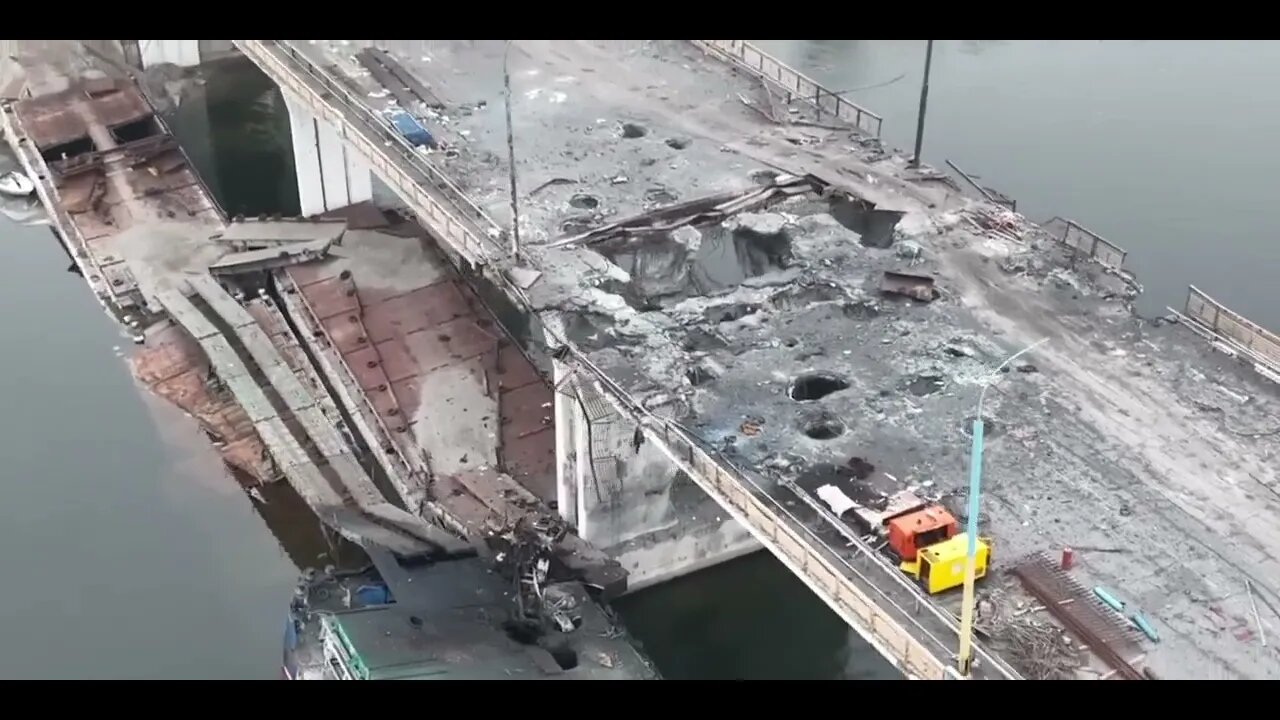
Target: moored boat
16, 184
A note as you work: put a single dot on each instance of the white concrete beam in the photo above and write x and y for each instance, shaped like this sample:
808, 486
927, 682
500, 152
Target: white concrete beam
329, 175
566, 449
582, 470
183, 53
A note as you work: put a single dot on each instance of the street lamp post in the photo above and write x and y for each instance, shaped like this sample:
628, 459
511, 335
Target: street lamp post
965, 657
511, 155
924, 100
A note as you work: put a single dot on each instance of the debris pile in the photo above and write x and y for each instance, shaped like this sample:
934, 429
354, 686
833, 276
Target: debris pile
1001, 223
1039, 648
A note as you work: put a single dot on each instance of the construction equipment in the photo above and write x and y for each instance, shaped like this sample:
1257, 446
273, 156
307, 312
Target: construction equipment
931, 548
923, 536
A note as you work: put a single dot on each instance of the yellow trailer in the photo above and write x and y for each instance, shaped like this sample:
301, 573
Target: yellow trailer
940, 566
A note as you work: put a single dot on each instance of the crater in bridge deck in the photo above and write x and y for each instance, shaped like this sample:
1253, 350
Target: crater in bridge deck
815, 386
821, 426
633, 131
665, 270
875, 227
923, 385
583, 201
565, 656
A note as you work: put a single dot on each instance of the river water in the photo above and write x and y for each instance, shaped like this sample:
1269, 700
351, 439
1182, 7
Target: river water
141, 557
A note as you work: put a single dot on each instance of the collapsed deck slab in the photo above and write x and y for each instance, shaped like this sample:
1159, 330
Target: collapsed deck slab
438, 370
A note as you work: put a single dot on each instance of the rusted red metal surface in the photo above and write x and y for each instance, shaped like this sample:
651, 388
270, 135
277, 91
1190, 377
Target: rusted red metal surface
1081, 612
101, 191
173, 367
394, 339
53, 120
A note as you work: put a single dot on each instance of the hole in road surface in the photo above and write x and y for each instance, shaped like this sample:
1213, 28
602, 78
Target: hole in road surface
699, 375
860, 468
923, 385
631, 131
525, 633
565, 657
678, 143
584, 202
823, 428
874, 227
814, 386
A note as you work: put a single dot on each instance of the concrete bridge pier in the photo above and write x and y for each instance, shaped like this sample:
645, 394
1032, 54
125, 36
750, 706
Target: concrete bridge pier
329, 175
625, 496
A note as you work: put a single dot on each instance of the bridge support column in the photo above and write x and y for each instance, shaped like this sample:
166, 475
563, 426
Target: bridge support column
183, 53
329, 176
567, 421
629, 500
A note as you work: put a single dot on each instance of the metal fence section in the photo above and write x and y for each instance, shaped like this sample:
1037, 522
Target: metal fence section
463, 226
793, 83
1073, 234
1259, 341
988, 193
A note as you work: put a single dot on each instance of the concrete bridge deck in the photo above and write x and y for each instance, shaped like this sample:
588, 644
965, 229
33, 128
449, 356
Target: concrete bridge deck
703, 326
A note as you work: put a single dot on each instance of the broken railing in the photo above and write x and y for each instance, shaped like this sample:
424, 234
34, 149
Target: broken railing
793, 83
1075, 235
989, 194
466, 228
1244, 336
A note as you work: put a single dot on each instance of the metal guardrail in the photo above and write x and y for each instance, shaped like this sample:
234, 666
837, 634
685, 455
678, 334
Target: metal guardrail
795, 84
890, 628
466, 228
991, 195
403, 473
1087, 241
1227, 323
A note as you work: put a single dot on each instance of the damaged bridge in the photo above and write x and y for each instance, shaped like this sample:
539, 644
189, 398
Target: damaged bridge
633, 477
742, 297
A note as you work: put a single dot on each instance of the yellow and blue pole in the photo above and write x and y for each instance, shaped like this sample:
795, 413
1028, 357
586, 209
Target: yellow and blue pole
971, 556
965, 656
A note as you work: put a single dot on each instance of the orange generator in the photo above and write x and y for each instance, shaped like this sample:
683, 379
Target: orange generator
931, 548
916, 530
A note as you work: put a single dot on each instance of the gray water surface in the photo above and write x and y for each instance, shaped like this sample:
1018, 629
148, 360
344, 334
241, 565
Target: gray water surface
128, 550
